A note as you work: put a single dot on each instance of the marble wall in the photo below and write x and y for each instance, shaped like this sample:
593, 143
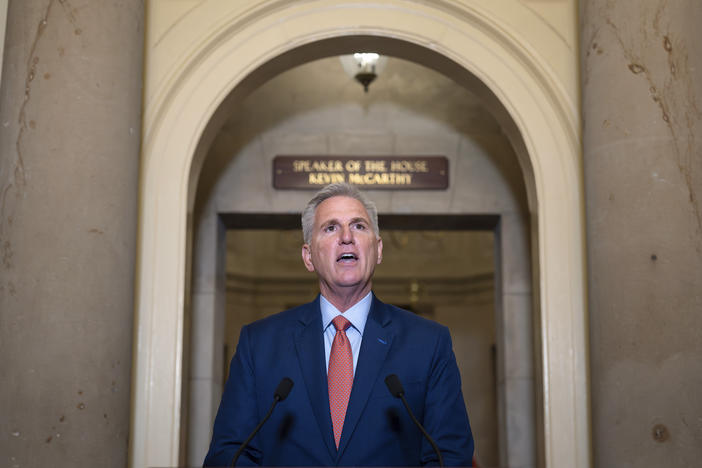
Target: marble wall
642, 108
69, 157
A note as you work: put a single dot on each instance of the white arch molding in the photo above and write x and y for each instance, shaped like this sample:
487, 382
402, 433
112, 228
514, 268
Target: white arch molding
177, 117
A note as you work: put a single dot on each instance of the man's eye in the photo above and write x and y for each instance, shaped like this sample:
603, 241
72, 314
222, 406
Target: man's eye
360, 226
330, 228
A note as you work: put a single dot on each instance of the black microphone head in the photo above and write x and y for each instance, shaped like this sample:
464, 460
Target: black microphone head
284, 387
394, 385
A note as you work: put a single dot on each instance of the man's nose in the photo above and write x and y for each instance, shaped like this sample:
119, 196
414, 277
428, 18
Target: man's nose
346, 236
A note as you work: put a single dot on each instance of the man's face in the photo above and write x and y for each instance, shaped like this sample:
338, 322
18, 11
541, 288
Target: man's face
343, 249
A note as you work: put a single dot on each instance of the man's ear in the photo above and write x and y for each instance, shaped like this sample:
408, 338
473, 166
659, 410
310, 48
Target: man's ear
380, 250
307, 257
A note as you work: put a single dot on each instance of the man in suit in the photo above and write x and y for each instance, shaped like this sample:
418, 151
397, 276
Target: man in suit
338, 350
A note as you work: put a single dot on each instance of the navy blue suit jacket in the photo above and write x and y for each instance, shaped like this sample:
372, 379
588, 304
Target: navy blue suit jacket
377, 430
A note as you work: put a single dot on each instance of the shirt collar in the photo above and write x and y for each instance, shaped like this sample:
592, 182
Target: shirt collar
357, 314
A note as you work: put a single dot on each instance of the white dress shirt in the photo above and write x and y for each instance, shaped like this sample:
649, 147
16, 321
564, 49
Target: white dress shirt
357, 315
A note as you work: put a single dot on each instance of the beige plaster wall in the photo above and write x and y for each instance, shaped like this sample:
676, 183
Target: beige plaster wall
547, 28
642, 99
318, 109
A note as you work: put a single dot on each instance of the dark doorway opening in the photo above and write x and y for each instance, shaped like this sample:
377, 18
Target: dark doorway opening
443, 267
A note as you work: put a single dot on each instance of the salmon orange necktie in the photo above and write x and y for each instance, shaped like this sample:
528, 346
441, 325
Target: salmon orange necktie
340, 375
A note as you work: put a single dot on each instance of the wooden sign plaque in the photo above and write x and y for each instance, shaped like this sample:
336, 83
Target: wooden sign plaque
366, 172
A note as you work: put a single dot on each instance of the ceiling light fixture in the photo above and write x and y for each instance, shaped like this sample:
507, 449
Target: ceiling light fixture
363, 66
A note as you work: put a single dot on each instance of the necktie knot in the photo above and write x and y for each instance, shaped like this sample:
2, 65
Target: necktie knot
341, 323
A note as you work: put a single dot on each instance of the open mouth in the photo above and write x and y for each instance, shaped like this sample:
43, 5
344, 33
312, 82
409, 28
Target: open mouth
347, 257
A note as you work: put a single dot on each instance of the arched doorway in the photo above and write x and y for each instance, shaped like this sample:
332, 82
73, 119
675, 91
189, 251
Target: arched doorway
315, 108
460, 43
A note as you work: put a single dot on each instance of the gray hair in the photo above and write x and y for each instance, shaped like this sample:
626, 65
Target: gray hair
336, 190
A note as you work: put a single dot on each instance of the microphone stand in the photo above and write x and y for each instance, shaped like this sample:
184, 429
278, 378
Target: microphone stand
395, 387
281, 393
251, 436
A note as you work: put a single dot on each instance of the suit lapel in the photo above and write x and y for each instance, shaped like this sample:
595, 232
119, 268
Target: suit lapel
310, 353
377, 339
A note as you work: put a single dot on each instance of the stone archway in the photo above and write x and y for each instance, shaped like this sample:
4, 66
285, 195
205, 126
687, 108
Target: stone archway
180, 120
236, 168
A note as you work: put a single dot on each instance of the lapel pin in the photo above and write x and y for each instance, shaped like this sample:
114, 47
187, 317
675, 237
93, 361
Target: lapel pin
382, 341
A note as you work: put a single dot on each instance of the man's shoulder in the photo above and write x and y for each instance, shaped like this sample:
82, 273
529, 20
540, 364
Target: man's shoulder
299, 314
409, 319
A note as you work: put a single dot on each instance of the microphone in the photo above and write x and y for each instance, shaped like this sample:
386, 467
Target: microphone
396, 390
283, 389
280, 394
